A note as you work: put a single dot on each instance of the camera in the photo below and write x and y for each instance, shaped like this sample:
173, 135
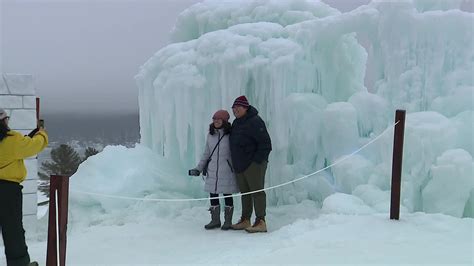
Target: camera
194, 172
39, 126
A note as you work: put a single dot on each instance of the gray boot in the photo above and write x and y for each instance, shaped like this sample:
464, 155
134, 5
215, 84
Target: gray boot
215, 217
228, 212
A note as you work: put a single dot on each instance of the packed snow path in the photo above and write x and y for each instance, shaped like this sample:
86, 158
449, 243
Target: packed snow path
298, 234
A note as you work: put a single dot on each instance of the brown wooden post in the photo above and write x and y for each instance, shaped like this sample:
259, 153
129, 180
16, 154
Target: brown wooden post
61, 184
37, 109
398, 137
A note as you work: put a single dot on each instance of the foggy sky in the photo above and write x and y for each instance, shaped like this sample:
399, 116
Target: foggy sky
84, 54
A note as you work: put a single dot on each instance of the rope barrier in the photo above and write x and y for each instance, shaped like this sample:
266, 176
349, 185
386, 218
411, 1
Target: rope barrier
246, 193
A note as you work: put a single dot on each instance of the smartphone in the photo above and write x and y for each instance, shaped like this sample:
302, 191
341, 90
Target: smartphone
41, 123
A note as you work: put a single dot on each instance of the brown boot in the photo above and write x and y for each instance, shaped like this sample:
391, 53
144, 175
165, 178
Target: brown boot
242, 224
258, 227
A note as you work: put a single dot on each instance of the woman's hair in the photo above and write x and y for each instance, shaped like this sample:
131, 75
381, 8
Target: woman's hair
225, 125
4, 129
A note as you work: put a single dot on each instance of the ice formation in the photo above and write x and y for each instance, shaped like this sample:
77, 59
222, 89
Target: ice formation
323, 94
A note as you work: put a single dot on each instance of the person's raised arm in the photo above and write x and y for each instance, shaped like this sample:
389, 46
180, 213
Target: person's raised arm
27, 147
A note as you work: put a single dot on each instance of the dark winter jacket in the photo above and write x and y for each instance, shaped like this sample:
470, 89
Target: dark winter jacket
249, 141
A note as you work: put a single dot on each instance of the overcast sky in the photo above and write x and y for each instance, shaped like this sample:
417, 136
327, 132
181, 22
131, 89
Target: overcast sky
85, 53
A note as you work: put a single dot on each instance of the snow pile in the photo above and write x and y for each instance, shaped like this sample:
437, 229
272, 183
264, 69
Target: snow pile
301, 64
340, 203
135, 172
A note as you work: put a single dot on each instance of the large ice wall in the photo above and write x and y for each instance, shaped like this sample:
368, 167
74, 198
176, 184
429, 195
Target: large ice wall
221, 14
301, 65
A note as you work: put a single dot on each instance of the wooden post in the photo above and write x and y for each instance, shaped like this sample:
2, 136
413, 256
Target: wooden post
398, 137
61, 184
37, 109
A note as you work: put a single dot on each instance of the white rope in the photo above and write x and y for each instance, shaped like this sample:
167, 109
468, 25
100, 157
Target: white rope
57, 228
242, 194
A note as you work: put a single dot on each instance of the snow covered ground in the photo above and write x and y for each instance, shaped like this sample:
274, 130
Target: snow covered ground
299, 234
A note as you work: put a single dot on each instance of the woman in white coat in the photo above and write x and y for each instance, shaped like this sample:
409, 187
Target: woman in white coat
220, 177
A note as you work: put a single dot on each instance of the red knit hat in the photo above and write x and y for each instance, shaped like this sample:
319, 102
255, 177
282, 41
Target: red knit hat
222, 114
241, 101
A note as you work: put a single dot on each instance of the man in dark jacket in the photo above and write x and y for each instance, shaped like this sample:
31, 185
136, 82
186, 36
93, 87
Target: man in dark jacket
250, 147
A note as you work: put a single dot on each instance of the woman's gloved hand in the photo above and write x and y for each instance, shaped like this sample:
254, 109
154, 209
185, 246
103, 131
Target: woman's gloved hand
194, 172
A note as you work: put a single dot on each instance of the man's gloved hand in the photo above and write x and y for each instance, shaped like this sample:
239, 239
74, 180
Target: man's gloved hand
194, 172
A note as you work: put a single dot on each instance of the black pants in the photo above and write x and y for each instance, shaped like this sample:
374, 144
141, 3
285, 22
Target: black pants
11, 223
228, 201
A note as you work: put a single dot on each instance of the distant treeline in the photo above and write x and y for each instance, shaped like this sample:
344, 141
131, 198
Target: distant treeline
100, 128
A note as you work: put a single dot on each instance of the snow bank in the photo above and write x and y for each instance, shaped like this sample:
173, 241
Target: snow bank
340, 203
128, 172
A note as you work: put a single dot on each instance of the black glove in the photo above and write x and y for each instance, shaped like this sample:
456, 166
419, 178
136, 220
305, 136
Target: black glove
33, 133
194, 172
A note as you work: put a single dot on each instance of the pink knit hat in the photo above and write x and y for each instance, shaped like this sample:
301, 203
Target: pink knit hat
222, 114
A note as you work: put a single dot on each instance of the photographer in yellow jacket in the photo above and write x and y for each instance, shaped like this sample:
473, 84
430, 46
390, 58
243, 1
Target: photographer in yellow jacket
14, 148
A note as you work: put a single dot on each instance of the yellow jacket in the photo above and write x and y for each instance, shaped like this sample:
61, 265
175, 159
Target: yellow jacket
15, 148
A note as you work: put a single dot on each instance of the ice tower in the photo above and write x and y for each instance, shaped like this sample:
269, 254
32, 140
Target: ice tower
302, 64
